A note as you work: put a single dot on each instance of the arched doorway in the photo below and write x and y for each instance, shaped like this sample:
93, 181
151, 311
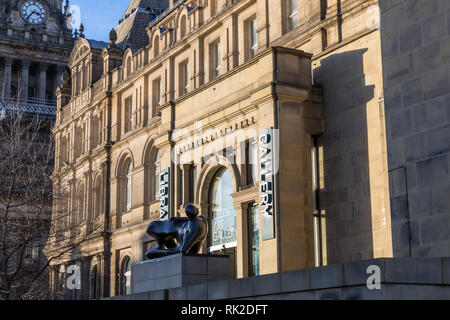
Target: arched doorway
222, 216
94, 284
126, 277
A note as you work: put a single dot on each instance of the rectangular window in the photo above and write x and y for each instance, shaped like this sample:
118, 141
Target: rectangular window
180, 186
253, 234
192, 182
184, 78
319, 216
157, 176
213, 4
291, 15
156, 93
252, 38
214, 52
128, 194
251, 155
127, 114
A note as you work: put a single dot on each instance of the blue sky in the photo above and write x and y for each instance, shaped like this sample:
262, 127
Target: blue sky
100, 16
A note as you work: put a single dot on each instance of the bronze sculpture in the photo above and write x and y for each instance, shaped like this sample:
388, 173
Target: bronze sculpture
178, 235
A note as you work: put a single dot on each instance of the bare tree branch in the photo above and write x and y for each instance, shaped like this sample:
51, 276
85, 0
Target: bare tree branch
27, 195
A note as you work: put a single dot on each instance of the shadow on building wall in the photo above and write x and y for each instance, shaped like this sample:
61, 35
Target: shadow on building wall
415, 37
345, 199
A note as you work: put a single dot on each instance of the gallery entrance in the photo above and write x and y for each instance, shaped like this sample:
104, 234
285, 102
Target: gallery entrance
222, 216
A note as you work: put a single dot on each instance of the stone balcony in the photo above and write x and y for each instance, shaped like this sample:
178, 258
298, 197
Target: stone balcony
29, 36
83, 100
38, 106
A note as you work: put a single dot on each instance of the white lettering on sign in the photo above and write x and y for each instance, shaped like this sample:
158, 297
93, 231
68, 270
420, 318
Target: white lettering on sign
164, 194
266, 158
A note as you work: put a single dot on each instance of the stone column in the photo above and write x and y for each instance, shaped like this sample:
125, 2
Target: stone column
7, 78
242, 240
42, 80
24, 77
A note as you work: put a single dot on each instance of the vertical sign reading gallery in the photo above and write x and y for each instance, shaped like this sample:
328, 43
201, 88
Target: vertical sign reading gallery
266, 171
164, 194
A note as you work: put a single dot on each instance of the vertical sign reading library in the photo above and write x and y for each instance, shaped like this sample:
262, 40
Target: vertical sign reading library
164, 194
266, 204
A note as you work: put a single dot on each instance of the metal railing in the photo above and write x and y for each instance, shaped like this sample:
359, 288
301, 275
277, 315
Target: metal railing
31, 105
29, 100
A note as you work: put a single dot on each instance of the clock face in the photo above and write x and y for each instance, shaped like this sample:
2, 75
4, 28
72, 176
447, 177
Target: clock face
34, 12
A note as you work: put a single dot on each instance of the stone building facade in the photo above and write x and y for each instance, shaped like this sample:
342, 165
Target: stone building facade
196, 102
416, 61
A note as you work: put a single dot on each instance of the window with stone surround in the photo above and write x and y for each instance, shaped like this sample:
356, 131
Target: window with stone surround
156, 174
213, 7
98, 196
125, 276
252, 161
251, 35
64, 152
183, 28
214, 59
128, 66
291, 15
156, 46
156, 94
184, 77
129, 187
127, 123
80, 205
79, 138
253, 240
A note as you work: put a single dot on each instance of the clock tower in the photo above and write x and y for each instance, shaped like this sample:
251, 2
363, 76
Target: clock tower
35, 44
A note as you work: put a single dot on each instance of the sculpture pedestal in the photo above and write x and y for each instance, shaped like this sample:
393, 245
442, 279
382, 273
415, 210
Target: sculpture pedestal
179, 270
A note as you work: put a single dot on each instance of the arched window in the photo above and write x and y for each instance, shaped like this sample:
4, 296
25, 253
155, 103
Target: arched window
125, 287
222, 213
128, 66
222, 216
156, 46
80, 204
98, 202
84, 74
94, 284
64, 214
129, 187
156, 174
182, 26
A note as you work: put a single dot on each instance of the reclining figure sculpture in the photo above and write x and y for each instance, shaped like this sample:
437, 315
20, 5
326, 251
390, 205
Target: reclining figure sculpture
178, 235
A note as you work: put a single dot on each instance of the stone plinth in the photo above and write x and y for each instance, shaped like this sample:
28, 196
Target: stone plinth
178, 271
